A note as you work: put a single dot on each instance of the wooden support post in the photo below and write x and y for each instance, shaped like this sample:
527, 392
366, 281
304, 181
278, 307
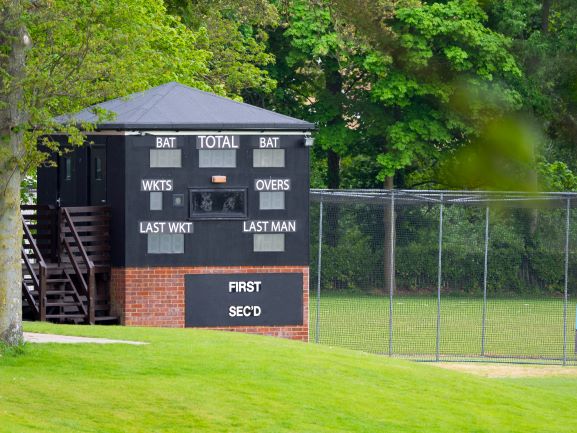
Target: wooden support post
42, 294
91, 297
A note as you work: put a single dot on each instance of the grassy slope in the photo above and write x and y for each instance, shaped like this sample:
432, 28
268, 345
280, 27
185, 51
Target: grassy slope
202, 381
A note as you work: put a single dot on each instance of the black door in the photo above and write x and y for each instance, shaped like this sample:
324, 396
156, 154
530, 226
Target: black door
72, 178
97, 177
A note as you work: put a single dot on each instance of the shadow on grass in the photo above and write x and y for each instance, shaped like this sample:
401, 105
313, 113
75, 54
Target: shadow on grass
12, 351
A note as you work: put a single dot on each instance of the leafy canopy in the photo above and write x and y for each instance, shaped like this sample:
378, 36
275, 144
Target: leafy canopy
88, 51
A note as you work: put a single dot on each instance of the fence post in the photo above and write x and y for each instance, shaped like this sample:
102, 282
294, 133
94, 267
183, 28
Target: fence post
319, 270
439, 272
485, 282
567, 214
392, 272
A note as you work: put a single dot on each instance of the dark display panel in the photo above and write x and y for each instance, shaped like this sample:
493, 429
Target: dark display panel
217, 203
244, 300
219, 238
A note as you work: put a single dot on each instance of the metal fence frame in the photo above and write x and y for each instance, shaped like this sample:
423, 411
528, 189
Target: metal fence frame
484, 199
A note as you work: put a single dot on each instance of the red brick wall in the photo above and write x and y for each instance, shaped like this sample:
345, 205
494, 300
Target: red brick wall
155, 297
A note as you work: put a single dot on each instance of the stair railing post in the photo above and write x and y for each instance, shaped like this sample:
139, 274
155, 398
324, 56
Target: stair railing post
60, 233
54, 218
42, 294
91, 296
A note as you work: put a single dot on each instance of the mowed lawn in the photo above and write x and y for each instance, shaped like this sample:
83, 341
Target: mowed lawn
528, 328
206, 381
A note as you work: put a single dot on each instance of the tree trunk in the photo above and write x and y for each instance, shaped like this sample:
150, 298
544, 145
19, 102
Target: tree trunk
389, 226
334, 86
333, 169
10, 267
533, 186
545, 13
13, 35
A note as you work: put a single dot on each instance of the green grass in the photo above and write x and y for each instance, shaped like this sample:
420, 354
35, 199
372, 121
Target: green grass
6, 350
203, 381
523, 328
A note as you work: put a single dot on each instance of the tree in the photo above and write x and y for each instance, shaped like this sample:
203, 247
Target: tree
395, 87
15, 41
447, 77
236, 38
543, 34
57, 57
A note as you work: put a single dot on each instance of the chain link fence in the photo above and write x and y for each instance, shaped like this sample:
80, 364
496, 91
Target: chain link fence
444, 275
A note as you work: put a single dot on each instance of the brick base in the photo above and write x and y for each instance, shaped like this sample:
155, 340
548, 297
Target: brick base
155, 297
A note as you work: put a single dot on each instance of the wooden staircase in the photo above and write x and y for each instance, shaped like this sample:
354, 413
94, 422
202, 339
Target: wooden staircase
66, 264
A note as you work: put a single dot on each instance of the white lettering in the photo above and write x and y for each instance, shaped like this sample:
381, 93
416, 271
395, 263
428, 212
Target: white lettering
165, 142
165, 227
280, 226
272, 184
244, 311
255, 226
217, 142
152, 227
156, 185
268, 142
244, 286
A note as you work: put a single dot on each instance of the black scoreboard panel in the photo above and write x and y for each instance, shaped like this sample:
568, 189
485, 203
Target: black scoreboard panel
215, 222
244, 300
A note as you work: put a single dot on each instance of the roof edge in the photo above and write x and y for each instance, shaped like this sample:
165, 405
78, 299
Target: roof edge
305, 126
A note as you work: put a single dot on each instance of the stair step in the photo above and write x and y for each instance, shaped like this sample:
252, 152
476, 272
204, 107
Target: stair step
65, 316
54, 292
60, 292
62, 304
106, 319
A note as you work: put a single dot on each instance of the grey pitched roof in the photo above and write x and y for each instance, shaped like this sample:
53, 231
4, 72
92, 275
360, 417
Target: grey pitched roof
178, 107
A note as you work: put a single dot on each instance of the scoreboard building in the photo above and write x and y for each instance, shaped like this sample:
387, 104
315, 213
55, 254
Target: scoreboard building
208, 207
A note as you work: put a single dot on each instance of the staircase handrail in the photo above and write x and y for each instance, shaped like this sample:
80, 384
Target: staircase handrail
28, 236
88, 286
39, 280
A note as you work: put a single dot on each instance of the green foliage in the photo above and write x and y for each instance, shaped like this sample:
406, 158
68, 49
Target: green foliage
525, 250
236, 37
349, 260
501, 157
447, 53
85, 52
27, 189
432, 91
406, 93
359, 171
543, 35
556, 176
